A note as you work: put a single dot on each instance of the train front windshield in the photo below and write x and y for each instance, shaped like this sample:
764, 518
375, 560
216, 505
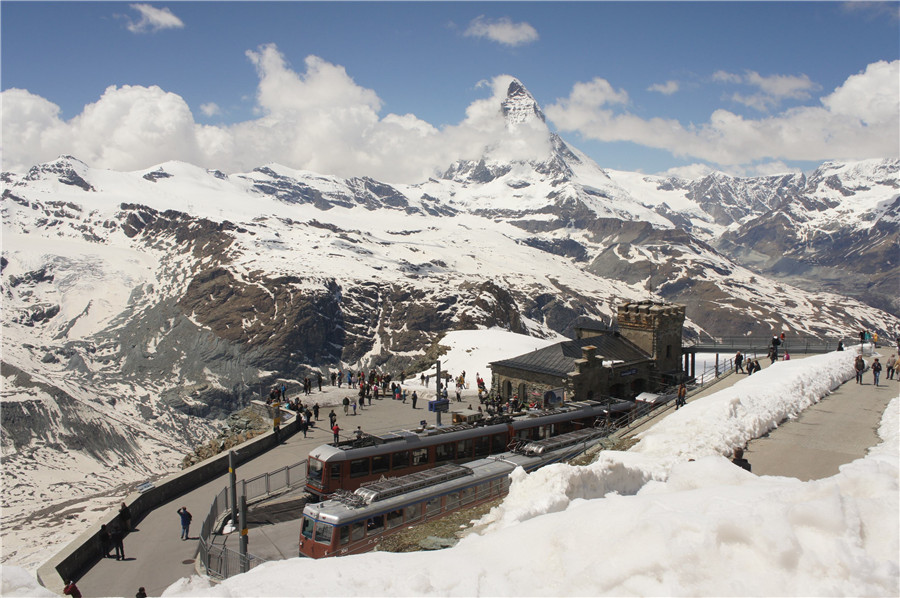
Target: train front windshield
314, 469
307, 528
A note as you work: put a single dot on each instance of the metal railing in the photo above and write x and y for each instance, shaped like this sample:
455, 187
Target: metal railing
220, 561
794, 344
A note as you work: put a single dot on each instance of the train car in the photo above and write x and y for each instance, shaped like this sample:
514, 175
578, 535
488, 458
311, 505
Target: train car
348, 464
352, 523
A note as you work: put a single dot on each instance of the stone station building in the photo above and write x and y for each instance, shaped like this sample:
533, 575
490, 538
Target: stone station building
644, 354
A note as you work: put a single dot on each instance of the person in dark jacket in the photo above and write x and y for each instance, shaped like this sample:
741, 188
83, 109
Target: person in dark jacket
739, 459
185, 522
105, 541
141, 593
125, 517
118, 536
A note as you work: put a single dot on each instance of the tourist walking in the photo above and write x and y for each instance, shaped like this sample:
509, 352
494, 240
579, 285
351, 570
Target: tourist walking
876, 370
682, 396
739, 362
860, 366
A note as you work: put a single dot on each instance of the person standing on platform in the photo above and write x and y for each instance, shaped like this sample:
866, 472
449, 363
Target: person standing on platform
125, 517
682, 396
117, 536
185, 522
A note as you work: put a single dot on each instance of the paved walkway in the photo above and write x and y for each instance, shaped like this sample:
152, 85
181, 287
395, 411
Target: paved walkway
837, 430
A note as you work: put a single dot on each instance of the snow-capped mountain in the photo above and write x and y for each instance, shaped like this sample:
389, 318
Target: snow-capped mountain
141, 306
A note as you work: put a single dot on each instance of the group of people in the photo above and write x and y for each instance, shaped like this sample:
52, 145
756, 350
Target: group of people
892, 365
752, 364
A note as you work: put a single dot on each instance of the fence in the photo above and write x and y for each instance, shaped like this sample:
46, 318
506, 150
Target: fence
219, 560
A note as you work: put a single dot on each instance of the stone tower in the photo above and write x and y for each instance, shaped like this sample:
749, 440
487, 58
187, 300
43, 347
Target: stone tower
656, 328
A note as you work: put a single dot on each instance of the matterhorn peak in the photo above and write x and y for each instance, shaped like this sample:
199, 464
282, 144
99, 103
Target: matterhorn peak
520, 106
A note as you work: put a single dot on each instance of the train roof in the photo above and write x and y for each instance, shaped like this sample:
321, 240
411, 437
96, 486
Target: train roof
391, 493
399, 440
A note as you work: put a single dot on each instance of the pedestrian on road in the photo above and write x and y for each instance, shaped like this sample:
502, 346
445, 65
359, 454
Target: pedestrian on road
105, 541
72, 590
316, 410
739, 459
336, 430
117, 536
332, 418
891, 363
141, 593
185, 522
860, 366
125, 517
876, 370
304, 425
414, 398
346, 403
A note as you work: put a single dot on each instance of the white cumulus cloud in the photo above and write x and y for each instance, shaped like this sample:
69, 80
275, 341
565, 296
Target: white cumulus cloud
667, 88
772, 89
502, 31
857, 120
153, 19
210, 109
318, 119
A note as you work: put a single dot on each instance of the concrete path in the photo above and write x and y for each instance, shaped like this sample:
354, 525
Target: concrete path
837, 430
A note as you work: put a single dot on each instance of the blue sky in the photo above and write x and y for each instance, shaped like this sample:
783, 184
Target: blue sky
614, 78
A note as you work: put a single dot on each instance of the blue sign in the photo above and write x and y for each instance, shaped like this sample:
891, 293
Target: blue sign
439, 406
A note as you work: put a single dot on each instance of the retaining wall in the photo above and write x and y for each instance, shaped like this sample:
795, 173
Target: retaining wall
84, 551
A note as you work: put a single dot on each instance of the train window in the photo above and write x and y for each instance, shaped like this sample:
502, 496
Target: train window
413, 512
433, 506
358, 530
335, 472
314, 472
498, 443
381, 463
419, 456
483, 490
344, 534
359, 467
307, 528
394, 518
375, 524
467, 495
400, 460
464, 449
482, 446
443, 452
323, 532
452, 501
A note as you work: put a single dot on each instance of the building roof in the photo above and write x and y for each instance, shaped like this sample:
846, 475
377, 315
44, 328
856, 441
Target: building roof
559, 359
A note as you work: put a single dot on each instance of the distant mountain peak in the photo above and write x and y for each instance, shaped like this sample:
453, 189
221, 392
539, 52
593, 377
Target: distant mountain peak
520, 106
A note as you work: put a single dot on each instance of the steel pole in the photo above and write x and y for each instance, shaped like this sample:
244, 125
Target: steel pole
232, 482
245, 561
